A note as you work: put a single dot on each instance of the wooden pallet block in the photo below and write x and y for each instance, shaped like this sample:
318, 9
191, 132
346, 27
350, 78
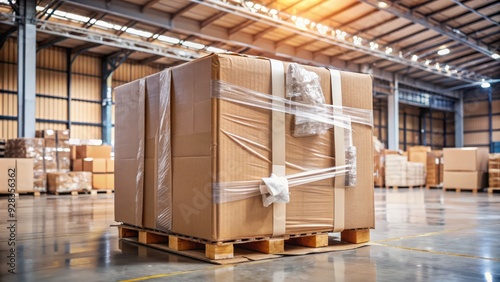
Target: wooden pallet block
491, 189
314, 241
356, 236
94, 192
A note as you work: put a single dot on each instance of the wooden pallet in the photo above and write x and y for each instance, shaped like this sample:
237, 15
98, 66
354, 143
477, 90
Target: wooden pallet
491, 189
434, 186
243, 250
94, 192
458, 190
72, 193
410, 187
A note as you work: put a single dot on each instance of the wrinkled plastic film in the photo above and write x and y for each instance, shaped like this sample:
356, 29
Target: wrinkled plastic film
240, 190
164, 181
327, 114
139, 179
304, 87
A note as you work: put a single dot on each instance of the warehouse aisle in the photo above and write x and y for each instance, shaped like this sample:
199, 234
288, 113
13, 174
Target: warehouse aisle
421, 235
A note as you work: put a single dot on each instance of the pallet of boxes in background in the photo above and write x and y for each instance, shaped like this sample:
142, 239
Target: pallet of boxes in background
465, 169
229, 148
493, 173
30, 148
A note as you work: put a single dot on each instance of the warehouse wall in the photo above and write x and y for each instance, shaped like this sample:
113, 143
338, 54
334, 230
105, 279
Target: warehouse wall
52, 109
476, 121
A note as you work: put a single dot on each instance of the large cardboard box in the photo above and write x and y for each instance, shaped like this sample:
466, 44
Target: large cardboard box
434, 168
465, 159
87, 151
464, 179
21, 170
216, 142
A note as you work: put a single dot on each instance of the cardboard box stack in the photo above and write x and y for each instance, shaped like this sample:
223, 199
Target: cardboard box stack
194, 143
494, 171
465, 167
97, 160
21, 170
31, 148
400, 172
395, 170
434, 168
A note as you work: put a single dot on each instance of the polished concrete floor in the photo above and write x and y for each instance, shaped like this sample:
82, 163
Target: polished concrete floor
421, 235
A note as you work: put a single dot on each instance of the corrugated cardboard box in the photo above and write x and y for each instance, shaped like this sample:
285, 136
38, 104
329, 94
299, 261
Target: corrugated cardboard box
434, 167
464, 179
216, 141
129, 152
87, 151
110, 165
418, 154
23, 170
99, 181
465, 159
94, 165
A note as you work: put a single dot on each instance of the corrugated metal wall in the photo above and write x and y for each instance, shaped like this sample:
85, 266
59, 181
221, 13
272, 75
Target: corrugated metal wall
52, 91
8, 90
476, 120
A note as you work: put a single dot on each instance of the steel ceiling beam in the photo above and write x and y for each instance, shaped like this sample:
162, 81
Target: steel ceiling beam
436, 26
189, 26
476, 12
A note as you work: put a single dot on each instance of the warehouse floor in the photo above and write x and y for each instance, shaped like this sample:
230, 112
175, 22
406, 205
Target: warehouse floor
421, 235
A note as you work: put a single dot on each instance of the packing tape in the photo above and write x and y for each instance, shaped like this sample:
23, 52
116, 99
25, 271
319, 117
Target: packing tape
339, 190
278, 142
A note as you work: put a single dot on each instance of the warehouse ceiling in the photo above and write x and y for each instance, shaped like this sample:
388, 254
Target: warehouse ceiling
444, 44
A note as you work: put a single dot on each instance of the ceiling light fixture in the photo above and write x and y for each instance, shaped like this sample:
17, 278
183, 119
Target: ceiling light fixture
485, 84
414, 58
443, 52
495, 56
382, 4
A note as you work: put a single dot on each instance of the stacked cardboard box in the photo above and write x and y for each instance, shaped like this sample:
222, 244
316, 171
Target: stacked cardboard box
2, 148
207, 152
56, 149
465, 167
60, 182
434, 168
395, 170
32, 148
97, 160
418, 154
415, 174
18, 173
400, 172
494, 171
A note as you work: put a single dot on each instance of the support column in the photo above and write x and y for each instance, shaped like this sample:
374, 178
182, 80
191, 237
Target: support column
26, 69
393, 118
459, 122
106, 92
490, 119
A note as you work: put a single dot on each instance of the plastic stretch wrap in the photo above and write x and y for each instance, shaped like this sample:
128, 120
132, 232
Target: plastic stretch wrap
316, 113
332, 115
32, 148
69, 181
164, 188
304, 87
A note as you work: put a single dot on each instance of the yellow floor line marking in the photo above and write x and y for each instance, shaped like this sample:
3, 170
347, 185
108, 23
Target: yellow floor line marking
436, 252
428, 234
179, 273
